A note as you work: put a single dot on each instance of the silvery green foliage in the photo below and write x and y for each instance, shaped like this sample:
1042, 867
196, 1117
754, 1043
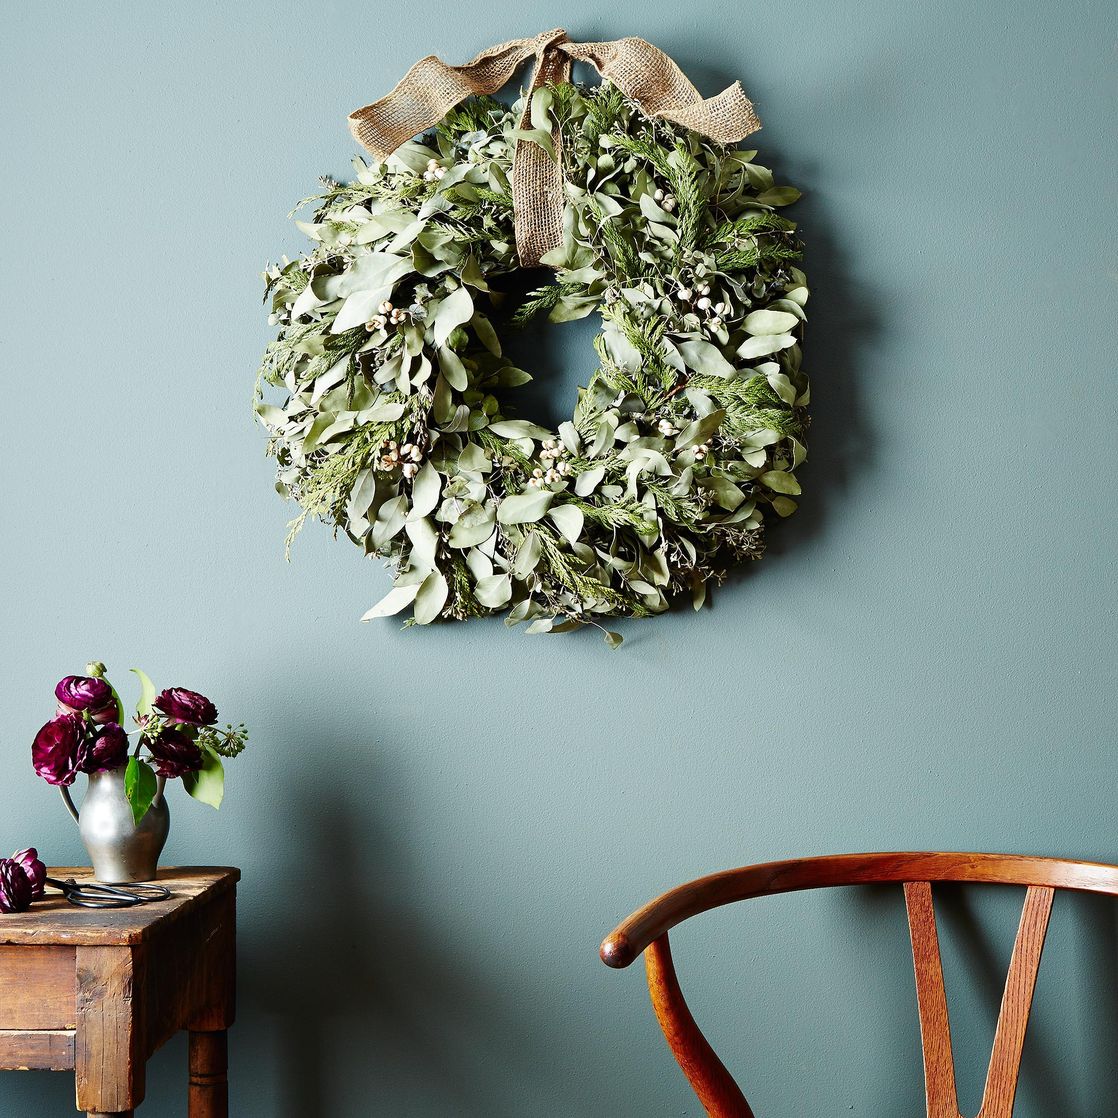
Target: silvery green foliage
395, 424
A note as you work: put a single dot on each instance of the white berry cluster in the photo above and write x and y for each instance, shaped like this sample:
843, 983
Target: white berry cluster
668, 430
387, 313
555, 466
408, 456
667, 201
435, 171
699, 298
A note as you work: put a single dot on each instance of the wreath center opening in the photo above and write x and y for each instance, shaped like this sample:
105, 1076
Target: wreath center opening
558, 356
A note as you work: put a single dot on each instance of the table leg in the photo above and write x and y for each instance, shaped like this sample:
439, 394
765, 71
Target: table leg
108, 1045
209, 1080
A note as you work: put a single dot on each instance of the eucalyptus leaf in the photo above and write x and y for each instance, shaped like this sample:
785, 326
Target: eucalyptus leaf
770, 322
486, 334
519, 429
700, 430
569, 519
425, 491
780, 481
725, 492
779, 196
765, 344
456, 309
524, 508
361, 495
528, 555
383, 411
453, 369
705, 357
494, 591
373, 272
424, 543
474, 526
358, 308
397, 599
430, 598
587, 482
390, 519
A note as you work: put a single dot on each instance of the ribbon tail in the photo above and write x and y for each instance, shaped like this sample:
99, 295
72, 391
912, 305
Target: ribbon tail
652, 79
537, 176
726, 118
429, 90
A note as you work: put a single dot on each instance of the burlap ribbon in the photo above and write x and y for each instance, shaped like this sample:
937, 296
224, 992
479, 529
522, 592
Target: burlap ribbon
431, 88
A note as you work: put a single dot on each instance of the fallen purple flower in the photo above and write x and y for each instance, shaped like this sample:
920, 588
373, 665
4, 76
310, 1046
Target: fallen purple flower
28, 861
15, 887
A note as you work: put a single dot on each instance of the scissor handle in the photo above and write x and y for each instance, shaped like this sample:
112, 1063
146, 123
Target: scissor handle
96, 894
145, 892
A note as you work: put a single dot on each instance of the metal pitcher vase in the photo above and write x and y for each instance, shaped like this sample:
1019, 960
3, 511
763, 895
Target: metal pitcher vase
119, 849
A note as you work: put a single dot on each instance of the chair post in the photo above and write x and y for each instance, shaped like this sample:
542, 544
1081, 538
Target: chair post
931, 997
711, 1082
1017, 1003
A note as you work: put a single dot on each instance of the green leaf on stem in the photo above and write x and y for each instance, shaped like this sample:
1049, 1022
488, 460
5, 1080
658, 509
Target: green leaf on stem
208, 783
147, 693
139, 786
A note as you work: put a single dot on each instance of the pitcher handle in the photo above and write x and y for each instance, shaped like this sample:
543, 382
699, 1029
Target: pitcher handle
160, 784
66, 799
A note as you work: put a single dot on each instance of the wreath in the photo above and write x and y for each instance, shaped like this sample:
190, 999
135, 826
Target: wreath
395, 423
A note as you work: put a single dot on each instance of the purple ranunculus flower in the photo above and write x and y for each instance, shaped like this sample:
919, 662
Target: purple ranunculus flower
77, 693
181, 705
173, 753
15, 887
28, 861
60, 749
108, 750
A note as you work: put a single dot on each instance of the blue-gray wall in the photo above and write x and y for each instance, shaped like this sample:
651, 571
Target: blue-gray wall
437, 827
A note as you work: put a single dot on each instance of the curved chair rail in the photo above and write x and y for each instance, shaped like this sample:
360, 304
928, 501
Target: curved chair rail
632, 936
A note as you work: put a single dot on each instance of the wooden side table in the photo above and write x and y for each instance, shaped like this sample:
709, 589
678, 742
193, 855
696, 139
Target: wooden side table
96, 992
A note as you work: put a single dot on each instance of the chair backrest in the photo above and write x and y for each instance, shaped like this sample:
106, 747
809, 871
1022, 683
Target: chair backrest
646, 931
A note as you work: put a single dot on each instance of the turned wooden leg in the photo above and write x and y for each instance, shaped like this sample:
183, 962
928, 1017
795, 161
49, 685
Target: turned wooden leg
209, 1080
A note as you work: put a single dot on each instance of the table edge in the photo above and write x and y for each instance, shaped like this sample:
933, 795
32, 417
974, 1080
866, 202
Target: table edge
25, 936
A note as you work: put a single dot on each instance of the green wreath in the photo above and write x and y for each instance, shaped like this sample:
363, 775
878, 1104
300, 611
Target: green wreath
394, 428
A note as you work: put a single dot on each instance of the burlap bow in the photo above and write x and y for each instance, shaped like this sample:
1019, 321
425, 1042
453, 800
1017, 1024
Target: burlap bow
431, 88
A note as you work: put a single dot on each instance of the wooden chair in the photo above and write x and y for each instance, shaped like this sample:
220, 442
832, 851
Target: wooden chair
646, 931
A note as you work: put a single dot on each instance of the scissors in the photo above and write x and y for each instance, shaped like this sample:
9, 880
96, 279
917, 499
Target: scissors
94, 894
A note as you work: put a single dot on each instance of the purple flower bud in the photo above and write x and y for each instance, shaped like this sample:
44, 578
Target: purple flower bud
108, 750
173, 753
77, 693
15, 887
60, 749
186, 706
28, 861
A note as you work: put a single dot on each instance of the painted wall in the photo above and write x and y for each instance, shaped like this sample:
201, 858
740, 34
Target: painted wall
437, 827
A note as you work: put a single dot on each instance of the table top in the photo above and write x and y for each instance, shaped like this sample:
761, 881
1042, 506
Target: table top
53, 920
